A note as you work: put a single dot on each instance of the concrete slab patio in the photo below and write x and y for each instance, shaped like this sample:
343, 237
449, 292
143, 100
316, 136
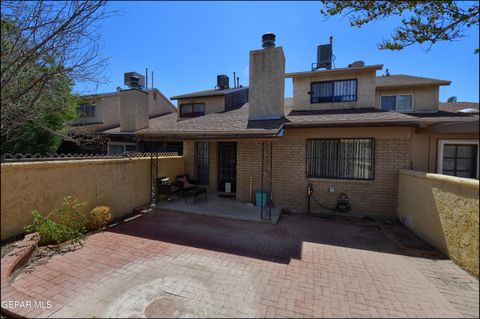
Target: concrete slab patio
167, 264
224, 207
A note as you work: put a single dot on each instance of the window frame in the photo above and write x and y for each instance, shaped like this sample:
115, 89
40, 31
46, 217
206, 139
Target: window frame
373, 157
441, 145
191, 114
396, 95
333, 88
84, 112
124, 144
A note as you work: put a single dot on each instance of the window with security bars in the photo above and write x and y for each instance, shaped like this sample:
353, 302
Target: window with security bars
341, 158
333, 91
201, 153
460, 160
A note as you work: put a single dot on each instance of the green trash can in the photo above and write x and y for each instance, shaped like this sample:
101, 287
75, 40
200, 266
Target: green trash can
261, 199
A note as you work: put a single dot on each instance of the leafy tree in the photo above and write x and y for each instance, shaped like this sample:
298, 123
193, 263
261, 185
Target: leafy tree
46, 46
422, 21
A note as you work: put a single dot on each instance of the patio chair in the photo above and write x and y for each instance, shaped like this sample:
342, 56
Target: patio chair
189, 187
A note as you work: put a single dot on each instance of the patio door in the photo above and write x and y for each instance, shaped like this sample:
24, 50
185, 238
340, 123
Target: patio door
227, 167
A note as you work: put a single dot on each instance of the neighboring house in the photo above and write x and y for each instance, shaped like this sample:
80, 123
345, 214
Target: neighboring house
102, 111
465, 107
346, 130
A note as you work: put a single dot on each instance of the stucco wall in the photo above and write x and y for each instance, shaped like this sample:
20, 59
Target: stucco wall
425, 148
122, 184
425, 99
444, 211
366, 81
213, 104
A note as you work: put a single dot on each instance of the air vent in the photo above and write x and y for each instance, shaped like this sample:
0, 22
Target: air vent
134, 80
222, 82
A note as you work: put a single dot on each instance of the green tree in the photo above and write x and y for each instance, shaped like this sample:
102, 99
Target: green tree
46, 46
422, 21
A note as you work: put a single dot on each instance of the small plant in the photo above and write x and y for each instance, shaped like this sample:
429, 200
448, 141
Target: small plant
100, 217
61, 225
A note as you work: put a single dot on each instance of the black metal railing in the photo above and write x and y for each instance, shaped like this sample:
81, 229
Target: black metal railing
8, 158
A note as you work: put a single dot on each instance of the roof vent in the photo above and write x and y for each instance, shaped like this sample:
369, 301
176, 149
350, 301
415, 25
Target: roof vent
268, 40
134, 80
357, 64
222, 82
324, 56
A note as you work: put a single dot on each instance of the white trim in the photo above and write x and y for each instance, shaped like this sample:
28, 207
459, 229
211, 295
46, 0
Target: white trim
441, 144
119, 143
397, 94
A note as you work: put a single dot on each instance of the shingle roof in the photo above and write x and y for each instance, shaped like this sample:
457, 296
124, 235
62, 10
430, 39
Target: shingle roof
402, 80
206, 93
457, 106
235, 123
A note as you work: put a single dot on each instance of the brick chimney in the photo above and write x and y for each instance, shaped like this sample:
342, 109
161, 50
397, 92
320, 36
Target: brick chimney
133, 110
267, 81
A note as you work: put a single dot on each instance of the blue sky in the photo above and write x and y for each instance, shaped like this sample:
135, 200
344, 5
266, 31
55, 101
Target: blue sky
188, 43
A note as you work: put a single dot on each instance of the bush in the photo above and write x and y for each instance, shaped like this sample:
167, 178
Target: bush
100, 217
61, 225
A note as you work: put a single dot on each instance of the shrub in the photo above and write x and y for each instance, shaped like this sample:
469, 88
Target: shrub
61, 225
100, 216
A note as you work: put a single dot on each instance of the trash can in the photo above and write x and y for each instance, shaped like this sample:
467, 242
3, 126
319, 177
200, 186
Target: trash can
261, 199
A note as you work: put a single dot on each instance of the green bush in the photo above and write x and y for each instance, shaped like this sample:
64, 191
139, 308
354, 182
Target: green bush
61, 225
100, 216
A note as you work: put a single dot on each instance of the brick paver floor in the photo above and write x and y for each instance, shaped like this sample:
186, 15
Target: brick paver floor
168, 264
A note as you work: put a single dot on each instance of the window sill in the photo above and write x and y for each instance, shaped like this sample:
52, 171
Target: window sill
338, 180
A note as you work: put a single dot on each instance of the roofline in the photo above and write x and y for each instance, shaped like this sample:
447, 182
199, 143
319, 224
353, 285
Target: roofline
338, 70
186, 95
351, 124
394, 86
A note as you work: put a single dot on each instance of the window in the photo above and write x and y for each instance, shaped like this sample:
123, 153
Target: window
458, 158
192, 110
341, 158
400, 103
334, 91
117, 148
201, 160
87, 110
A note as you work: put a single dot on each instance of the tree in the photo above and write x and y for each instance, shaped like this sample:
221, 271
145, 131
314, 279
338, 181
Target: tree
422, 21
46, 47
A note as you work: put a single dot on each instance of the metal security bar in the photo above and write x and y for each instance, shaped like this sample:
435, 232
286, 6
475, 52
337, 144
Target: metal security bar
341, 158
334, 91
202, 163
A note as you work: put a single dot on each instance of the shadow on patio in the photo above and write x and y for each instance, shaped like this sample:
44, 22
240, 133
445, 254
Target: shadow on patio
277, 243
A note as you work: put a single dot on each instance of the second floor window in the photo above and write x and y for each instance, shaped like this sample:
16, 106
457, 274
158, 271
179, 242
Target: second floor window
192, 110
400, 103
87, 110
334, 91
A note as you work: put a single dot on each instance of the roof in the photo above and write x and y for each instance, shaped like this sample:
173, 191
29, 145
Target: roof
457, 106
334, 71
207, 93
227, 124
402, 80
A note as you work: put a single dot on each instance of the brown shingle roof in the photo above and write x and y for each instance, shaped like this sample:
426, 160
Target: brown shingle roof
402, 80
457, 106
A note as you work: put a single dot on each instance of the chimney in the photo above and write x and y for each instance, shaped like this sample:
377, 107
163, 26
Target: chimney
267, 81
133, 110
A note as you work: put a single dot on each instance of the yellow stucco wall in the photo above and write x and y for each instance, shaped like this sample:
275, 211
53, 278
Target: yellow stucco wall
122, 184
443, 210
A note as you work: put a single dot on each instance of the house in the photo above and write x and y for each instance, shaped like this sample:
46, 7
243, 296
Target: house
343, 136
102, 111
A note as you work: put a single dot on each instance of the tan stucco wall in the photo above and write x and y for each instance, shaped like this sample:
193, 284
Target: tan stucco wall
425, 99
213, 104
122, 184
266, 84
425, 148
366, 82
444, 211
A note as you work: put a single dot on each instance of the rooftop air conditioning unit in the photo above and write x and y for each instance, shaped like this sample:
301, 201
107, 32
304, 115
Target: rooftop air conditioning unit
134, 80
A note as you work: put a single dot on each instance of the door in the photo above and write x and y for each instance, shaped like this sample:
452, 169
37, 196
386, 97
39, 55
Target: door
227, 167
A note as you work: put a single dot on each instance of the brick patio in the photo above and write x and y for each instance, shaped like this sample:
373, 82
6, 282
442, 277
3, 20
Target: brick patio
168, 264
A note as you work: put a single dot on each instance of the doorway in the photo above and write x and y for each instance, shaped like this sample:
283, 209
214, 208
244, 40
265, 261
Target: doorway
227, 167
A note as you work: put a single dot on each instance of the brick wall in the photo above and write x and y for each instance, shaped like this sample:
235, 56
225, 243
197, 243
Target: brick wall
376, 198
